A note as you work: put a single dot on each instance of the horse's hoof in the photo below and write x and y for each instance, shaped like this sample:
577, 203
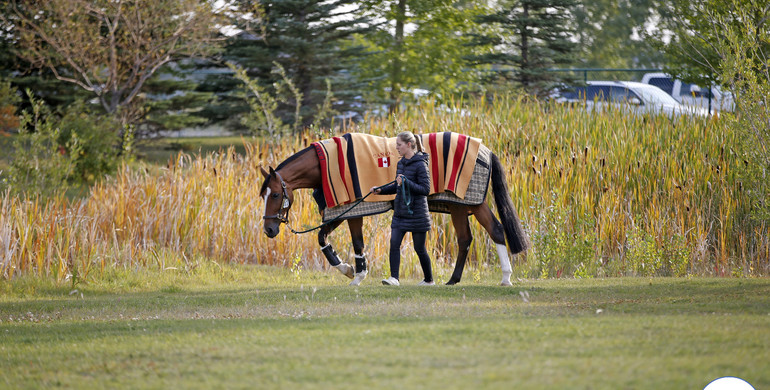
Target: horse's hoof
452, 282
506, 283
360, 276
346, 270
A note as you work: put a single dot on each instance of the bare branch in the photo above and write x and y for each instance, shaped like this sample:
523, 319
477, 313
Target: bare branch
112, 47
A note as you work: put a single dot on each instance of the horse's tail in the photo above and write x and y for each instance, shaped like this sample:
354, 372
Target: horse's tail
514, 232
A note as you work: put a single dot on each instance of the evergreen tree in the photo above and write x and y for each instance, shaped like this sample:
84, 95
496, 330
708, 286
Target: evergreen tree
420, 44
307, 39
22, 74
524, 39
7, 56
172, 101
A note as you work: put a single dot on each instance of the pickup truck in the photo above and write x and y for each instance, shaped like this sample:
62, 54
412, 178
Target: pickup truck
713, 99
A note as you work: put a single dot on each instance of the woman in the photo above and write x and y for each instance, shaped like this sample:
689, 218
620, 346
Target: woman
410, 208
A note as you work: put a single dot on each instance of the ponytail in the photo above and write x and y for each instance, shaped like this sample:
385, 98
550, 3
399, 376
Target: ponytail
407, 136
418, 142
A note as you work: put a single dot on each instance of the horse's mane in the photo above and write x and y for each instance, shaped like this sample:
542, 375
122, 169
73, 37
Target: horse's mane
283, 164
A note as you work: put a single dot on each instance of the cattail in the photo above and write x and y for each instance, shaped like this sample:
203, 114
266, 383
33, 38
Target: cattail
172, 217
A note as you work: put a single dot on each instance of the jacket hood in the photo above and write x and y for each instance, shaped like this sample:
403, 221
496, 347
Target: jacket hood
419, 156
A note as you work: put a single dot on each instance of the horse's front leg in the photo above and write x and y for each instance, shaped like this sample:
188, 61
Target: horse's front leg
464, 239
357, 236
330, 253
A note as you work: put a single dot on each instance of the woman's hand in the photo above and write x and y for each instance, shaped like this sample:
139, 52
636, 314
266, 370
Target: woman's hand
400, 179
375, 190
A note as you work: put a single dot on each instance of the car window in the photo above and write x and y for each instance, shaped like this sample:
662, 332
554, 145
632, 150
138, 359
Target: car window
686, 89
664, 83
654, 96
597, 92
705, 93
572, 93
621, 94
695, 91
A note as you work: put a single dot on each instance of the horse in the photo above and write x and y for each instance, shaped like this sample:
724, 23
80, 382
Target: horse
303, 171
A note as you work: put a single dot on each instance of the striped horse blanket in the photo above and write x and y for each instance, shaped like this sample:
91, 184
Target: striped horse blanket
353, 163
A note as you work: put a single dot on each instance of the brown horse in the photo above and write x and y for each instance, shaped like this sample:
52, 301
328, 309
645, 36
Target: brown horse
303, 170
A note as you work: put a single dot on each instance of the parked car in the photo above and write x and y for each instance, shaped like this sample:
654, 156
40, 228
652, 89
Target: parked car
626, 95
691, 94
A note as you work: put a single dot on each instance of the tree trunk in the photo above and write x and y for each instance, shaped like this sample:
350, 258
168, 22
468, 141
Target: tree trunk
395, 74
524, 77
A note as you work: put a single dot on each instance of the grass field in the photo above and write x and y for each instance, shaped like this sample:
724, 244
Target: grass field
262, 327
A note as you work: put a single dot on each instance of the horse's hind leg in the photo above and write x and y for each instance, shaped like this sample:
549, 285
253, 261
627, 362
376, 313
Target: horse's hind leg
357, 236
464, 239
330, 253
495, 229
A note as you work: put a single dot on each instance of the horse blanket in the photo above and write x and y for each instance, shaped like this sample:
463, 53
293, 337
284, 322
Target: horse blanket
353, 163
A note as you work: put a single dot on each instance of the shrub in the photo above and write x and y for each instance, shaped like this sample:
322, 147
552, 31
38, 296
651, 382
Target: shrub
50, 153
39, 164
90, 141
9, 99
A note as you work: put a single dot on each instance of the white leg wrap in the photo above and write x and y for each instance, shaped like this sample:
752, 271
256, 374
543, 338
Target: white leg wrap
505, 264
360, 276
346, 269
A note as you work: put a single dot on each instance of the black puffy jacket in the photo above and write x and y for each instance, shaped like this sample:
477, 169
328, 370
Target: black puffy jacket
415, 170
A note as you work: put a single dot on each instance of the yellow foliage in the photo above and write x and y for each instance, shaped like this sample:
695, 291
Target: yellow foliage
592, 190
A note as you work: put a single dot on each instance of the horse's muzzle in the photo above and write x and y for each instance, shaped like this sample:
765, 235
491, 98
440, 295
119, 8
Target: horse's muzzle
271, 231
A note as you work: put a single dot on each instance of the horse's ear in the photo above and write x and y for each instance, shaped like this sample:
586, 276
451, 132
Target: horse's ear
272, 172
265, 173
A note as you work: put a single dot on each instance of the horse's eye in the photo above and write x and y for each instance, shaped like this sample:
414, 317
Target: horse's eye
275, 196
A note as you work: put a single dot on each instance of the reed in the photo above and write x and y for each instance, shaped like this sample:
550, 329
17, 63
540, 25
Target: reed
600, 194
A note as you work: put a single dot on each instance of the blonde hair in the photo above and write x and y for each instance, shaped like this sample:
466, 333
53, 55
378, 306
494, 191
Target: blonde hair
408, 137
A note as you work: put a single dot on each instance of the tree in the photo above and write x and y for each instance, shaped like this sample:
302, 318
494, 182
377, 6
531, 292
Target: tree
291, 48
742, 48
526, 38
23, 76
7, 58
611, 33
691, 31
418, 44
727, 43
171, 101
110, 48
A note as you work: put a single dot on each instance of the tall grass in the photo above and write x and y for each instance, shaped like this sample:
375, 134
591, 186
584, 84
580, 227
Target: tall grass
613, 194
601, 195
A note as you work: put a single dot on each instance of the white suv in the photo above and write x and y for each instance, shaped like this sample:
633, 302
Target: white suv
626, 95
691, 94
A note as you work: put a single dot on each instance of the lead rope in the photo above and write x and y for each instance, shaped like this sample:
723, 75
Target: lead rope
406, 194
337, 217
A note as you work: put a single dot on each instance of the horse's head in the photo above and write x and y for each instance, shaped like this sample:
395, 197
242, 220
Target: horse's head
278, 200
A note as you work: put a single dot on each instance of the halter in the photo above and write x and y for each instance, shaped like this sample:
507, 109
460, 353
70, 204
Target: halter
283, 213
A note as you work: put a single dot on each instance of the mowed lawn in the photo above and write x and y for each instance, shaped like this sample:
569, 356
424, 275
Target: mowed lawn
251, 327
